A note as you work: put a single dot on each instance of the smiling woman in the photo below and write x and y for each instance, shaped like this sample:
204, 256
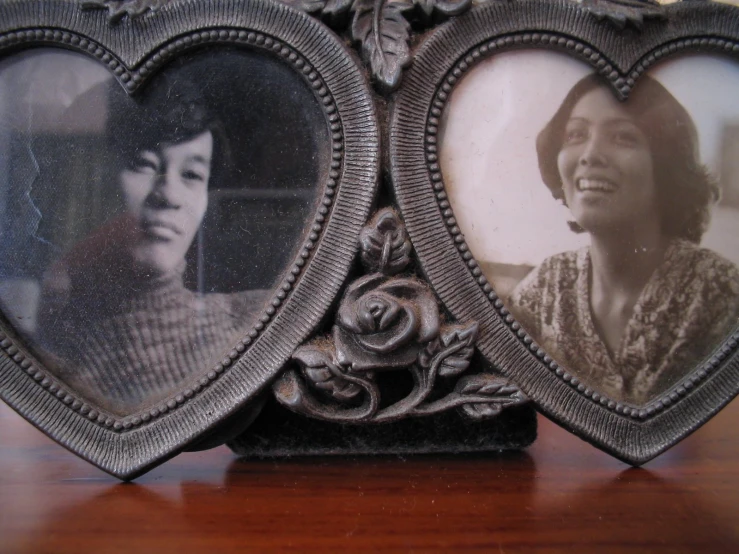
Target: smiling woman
606, 227
634, 310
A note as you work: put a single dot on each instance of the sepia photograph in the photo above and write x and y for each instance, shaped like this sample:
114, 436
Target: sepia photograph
609, 228
142, 235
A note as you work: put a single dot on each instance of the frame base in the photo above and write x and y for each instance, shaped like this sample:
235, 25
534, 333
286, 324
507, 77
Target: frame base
277, 432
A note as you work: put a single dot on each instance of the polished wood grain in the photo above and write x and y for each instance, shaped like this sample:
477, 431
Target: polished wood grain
560, 495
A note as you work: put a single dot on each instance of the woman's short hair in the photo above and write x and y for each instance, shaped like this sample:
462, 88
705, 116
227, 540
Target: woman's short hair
167, 112
685, 188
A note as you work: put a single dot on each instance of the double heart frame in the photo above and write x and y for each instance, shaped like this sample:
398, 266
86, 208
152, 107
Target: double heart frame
384, 106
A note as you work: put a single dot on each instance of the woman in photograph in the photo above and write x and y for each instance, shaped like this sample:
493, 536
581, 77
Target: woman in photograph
115, 316
637, 309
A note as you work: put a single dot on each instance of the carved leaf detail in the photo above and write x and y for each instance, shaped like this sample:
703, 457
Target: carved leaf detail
622, 12
320, 370
117, 9
383, 32
385, 245
453, 349
499, 393
459, 361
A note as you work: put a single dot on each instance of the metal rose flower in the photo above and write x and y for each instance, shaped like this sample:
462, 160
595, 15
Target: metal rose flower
383, 322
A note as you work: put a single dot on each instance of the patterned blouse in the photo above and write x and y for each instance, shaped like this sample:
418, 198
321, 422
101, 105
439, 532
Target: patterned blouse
687, 308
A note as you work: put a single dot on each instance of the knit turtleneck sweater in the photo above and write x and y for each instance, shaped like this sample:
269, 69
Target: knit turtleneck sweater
127, 343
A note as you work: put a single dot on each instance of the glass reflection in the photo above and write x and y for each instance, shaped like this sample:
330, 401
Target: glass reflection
139, 243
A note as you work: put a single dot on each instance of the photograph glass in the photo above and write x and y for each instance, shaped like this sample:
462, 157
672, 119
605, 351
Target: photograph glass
607, 227
143, 235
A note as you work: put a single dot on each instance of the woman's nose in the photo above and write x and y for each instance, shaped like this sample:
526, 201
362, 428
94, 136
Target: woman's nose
164, 193
593, 153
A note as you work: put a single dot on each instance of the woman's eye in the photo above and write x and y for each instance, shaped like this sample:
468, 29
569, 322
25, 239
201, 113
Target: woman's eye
626, 137
575, 135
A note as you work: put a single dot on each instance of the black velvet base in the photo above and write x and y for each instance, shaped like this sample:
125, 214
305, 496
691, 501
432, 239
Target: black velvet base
277, 432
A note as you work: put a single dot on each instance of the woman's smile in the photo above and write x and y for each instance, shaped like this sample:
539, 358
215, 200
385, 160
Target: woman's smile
595, 184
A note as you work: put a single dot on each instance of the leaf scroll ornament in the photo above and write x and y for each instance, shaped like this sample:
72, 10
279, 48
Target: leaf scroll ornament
458, 344
383, 28
316, 359
388, 321
623, 12
495, 392
430, 11
384, 33
385, 245
118, 9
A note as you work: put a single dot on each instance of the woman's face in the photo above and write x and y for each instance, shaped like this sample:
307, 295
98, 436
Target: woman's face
166, 192
606, 166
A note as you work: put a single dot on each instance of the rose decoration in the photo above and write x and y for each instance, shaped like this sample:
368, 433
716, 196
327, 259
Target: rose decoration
384, 323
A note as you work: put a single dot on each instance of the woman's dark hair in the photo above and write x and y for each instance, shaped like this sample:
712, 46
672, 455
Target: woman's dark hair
685, 189
168, 112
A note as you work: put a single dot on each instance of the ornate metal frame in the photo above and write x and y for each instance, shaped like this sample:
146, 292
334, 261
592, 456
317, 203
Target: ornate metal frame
334, 378
616, 41
128, 446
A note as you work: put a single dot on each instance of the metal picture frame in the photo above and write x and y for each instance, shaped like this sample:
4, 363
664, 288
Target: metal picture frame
620, 41
134, 50
383, 279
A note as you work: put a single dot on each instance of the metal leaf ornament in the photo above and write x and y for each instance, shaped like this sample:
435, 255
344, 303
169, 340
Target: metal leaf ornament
497, 392
623, 12
382, 28
385, 245
458, 344
317, 362
118, 9
384, 34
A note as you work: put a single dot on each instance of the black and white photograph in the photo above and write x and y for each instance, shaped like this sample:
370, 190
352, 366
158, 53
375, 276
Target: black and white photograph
607, 227
142, 236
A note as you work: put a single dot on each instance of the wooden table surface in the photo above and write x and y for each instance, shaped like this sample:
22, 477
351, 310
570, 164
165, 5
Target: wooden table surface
560, 495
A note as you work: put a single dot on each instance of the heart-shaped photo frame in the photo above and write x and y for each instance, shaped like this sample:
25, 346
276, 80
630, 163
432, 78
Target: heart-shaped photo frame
180, 211
576, 179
